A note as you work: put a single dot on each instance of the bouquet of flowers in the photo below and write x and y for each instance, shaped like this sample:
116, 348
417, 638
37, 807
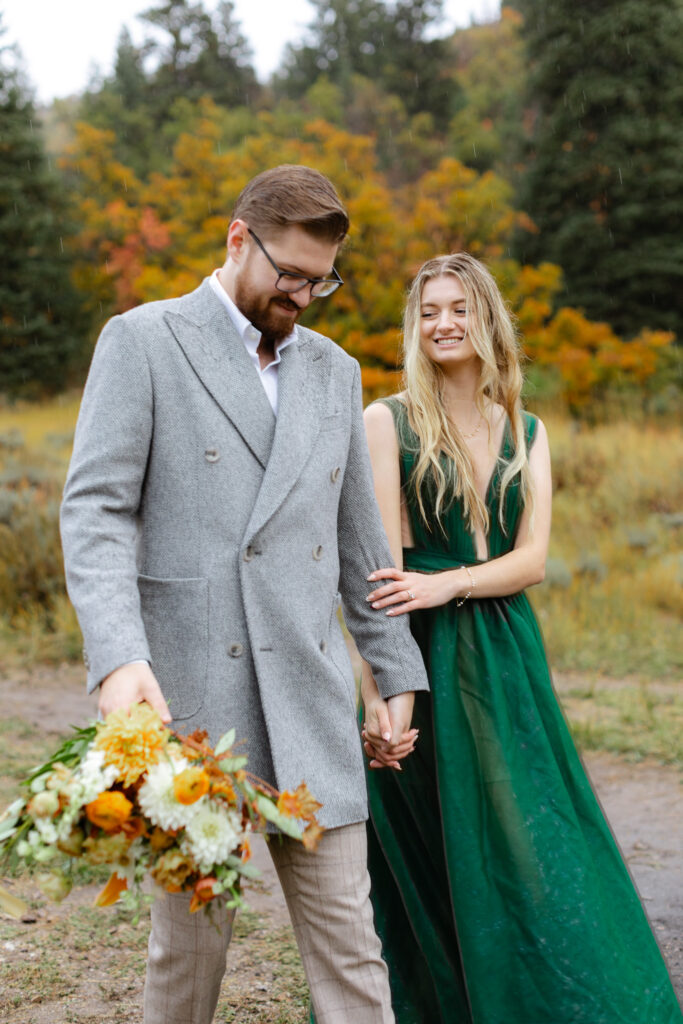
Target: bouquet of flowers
130, 793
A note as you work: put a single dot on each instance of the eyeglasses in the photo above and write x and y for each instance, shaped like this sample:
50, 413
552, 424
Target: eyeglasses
287, 282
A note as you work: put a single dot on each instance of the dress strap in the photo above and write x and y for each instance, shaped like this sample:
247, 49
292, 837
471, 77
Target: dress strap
530, 427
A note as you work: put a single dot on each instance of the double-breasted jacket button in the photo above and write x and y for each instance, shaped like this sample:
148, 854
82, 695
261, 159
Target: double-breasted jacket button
318, 552
235, 650
334, 475
86, 659
249, 553
212, 455
323, 646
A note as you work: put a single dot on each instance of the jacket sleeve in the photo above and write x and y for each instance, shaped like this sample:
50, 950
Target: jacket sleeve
101, 502
386, 643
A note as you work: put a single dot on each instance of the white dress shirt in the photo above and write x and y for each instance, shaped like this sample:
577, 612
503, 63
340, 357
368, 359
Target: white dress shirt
251, 338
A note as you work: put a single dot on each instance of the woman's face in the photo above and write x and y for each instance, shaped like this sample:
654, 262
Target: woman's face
443, 323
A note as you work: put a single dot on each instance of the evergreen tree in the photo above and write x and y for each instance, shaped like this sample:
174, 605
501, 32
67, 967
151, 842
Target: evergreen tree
386, 44
41, 321
603, 185
122, 103
202, 55
189, 55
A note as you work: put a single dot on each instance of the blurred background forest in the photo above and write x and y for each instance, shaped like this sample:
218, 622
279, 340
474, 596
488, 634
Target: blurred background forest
547, 142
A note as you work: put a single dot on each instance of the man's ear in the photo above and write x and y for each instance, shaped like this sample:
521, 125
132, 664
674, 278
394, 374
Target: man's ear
238, 239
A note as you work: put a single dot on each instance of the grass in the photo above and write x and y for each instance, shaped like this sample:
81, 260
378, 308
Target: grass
633, 718
611, 603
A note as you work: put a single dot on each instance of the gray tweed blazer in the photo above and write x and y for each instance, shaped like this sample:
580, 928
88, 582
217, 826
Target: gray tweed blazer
204, 535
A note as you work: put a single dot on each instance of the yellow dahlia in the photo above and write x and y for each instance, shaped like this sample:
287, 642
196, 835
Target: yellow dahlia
132, 740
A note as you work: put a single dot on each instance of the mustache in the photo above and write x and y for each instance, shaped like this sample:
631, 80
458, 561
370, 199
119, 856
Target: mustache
287, 303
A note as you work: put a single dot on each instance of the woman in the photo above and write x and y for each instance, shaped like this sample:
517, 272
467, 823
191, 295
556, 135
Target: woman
499, 893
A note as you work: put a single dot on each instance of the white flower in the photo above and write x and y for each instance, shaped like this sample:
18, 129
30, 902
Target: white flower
211, 836
46, 829
157, 798
91, 778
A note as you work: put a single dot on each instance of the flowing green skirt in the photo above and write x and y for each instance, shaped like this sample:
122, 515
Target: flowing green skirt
500, 895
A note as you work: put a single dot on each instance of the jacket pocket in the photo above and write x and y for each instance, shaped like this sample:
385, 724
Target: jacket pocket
176, 617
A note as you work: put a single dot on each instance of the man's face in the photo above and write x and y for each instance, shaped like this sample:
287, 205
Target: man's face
273, 312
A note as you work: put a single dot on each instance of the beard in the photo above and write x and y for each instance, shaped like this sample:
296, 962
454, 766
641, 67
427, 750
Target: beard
263, 312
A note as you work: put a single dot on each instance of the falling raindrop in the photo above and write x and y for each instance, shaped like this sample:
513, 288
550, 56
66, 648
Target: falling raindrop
474, 149
61, 244
621, 180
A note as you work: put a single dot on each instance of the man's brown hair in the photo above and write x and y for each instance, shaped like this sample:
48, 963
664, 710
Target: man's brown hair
292, 194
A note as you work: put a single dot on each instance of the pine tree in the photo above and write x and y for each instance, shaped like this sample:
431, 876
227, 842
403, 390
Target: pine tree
603, 184
388, 45
41, 322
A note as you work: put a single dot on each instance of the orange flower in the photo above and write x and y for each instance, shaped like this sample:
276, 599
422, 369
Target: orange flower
223, 789
160, 840
172, 869
133, 828
246, 850
190, 784
311, 836
299, 804
109, 810
203, 893
111, 892
132, 740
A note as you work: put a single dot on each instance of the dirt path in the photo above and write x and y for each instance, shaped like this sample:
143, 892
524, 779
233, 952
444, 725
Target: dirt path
643, 802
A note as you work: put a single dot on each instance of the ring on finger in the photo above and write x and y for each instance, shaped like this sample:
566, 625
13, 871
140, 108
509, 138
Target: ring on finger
411, 595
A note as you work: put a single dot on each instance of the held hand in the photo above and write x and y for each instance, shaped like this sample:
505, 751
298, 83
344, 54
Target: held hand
408, 591
387, 736
131, 684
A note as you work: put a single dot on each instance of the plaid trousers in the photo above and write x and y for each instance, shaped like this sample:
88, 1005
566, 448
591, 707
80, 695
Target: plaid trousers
327, 893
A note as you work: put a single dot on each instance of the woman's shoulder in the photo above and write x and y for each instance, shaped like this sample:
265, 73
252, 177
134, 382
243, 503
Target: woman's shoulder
389, 414
383, 409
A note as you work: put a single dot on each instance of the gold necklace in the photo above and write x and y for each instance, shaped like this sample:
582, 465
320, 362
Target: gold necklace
472, 432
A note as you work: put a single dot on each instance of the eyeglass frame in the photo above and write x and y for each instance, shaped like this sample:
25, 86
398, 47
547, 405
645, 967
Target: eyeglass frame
312, 281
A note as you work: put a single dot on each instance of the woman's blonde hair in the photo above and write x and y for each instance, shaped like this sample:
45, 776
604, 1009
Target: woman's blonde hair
491, 331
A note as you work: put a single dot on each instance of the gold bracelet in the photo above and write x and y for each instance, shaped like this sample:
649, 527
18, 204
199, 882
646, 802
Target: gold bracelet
459, 602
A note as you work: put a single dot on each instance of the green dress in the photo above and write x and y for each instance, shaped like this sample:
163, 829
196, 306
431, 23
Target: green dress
500, 895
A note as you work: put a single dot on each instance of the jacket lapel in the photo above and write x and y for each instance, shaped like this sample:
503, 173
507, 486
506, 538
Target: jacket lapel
203, 329
302, 387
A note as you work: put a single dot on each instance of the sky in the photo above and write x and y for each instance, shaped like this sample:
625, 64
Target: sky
63, 40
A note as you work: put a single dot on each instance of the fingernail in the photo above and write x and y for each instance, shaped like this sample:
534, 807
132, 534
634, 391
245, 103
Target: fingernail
371, 577
397, 767
375, 604
386, 735
369, 597
388, 613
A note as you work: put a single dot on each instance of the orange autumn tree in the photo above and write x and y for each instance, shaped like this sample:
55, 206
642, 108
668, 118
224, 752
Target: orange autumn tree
142, 241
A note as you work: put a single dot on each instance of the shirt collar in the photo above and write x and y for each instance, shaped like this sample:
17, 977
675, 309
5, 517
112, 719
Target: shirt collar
246, 330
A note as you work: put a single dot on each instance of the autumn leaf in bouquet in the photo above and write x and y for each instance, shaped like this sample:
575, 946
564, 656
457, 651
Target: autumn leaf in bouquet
130, 793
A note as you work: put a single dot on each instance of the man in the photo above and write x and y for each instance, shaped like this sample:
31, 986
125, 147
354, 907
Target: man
219, 500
